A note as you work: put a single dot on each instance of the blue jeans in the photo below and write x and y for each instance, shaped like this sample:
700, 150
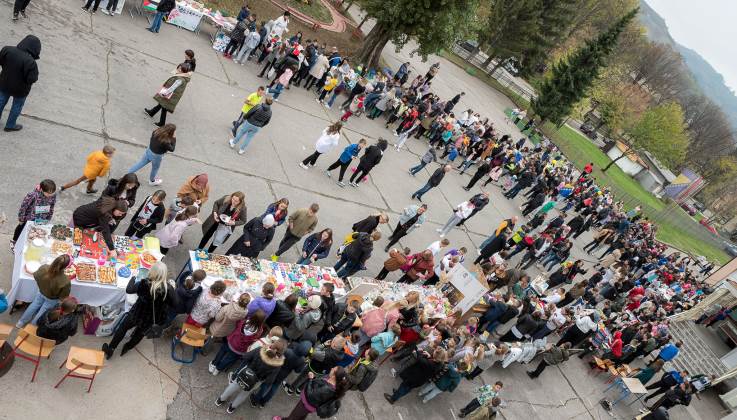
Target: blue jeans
225, 357
487, 242
305, 261
156, 23
551, 259
418, 168
15, 109
277, 90
36, 309
400, 392
345, 267
332, 98
265, 393
153, 158
248, 131
422, 191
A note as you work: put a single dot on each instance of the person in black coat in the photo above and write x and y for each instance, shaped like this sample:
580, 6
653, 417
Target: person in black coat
149, 214
370, 223
294, 361
356, 254
371, 157
155, 297
163, 9
479, 201
497, 244
284, 312
19, 72
433, 182
59, 323
524, 181
425, 368
536, 201
124, 188
102, 215
482, 170
257, 234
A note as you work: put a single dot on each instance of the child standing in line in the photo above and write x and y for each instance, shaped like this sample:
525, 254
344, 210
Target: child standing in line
37, 205
283, 81
251, 100
406, 133
171, 234
355, 106
330, 83
148, 216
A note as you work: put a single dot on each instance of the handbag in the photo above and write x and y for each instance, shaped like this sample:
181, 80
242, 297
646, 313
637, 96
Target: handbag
221, 234
246, 378
271, 73
155, 330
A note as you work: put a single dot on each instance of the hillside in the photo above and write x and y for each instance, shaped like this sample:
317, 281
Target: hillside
707, 78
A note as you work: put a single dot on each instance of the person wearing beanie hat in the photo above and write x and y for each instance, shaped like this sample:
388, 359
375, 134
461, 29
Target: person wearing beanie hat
257, 234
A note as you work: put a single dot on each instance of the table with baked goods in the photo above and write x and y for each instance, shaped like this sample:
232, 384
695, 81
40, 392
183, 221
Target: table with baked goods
435, 304
97, 278
246, 275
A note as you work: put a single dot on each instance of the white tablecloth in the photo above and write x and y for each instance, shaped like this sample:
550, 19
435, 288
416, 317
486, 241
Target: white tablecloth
24, 287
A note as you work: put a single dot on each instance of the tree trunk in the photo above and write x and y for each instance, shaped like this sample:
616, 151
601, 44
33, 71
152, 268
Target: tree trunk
613, 162
373, 45
365, 18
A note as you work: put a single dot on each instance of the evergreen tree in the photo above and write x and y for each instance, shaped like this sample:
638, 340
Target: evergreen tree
573, 76
510, 29
434, 25
556, 17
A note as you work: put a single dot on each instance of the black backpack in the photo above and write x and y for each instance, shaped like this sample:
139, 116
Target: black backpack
328, 409
246, 378
371, 373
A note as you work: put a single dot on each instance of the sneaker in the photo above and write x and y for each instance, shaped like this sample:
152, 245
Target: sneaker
15, 16
241, 151
218, 402
156, 181
394, 373
318, 101
231, 376
341, 184
92, 12
442, 235
253, 403
85, 9
12, 246
288, 389
274, 258
211, 368
106, 11
354, 185
327, 106
478, 251
231, 143
105, 349
303, 166
438, 230
23, 14
327, 173
90, 192
230, 409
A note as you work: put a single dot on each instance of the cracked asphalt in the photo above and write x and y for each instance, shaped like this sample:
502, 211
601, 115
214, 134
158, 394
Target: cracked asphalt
97, 73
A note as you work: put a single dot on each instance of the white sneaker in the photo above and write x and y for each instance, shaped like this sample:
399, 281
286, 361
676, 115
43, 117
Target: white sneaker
241, 151
231, 143
327, 106
341, 184
442, 235
303, 166
212, 369
328, 174
156, 181
438, 230
394, 373
478, 251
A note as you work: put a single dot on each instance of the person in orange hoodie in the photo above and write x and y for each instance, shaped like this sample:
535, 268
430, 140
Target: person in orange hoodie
197, 188
98, 164
395, 261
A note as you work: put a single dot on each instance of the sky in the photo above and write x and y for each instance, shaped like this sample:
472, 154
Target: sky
706, 26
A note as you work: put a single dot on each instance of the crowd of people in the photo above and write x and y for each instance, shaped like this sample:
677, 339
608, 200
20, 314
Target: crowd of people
617, 309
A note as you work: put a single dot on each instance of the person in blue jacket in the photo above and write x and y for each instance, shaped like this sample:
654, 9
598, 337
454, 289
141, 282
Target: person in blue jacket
668, 352
316, 247
349, 153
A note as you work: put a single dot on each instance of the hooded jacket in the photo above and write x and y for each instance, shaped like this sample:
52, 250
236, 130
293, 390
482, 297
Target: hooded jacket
258, 236
186, 298
265, 367
359, 251
366, 225
371, 157
58, 330
20, 71
170, 103
112, 188
226, 319
282, 315
192, 190
436, 177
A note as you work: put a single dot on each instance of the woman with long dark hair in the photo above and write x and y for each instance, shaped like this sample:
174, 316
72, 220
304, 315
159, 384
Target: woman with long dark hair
123, 188
102, 215
326, 391
227, 212
316, 246
53, 285
163, 140
328, 140
371, 157
278, 209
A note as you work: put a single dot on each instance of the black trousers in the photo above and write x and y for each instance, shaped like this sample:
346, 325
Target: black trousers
287, 242
18, 230
20, 6
382, 274
136, 336
89, 3
232, 47
309, 81
343, 168
474, 373
540, 368
206, 238
312, 159
140, 231
112, 5
359, 174
471, 407
398, 234
154, 110
474, 179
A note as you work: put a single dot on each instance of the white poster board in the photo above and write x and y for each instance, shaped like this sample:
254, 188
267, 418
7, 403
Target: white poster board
463, 289
185, 17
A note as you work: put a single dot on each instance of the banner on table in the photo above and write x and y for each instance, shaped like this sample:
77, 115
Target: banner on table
463, 289
185, 17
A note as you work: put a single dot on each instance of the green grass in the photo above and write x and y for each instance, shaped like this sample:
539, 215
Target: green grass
315, 9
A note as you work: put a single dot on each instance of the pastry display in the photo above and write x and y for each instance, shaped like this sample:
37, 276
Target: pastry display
86, 272
61, 232
71, 272
77, 239
147, 260
201, 254
236, 261
221, 259
59, 248
37, 233
121, 243
106, 275
212, 268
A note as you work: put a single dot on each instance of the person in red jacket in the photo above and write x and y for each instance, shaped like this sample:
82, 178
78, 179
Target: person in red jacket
420, 267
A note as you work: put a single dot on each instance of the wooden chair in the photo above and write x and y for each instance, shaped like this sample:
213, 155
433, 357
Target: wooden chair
5, 331
31, 347
82, 363
191, 335
601, 365
391, 350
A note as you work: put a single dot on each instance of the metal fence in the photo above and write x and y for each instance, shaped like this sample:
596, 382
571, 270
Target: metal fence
500, 74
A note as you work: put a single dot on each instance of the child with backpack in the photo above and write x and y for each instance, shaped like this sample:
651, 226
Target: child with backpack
355, 107
364, 372
448, 382
322, 359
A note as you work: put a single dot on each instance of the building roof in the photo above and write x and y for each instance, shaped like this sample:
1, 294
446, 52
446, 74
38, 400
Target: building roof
634, 157
655, 165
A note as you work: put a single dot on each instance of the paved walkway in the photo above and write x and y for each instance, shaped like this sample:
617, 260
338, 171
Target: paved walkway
96, 75
338, 24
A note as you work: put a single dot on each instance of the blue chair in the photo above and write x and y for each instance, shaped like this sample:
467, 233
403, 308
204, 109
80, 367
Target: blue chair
192, 336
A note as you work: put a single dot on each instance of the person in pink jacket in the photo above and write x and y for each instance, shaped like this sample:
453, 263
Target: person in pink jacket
281, 83
170, 234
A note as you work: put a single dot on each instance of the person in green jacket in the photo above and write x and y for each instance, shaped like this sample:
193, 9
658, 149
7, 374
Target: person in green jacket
645, 374
448, 382
169, 95
53, 286
299, 224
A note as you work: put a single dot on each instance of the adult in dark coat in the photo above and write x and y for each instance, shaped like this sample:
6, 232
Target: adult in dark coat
19, 73
497, 244
356, 254
371, 157
536, 201
370, 223
425, 368
257, 234
480, 172
433, 182
163, 9
479, 201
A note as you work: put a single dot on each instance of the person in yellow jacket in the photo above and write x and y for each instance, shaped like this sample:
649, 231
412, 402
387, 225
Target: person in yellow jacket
251, 101
98, 164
